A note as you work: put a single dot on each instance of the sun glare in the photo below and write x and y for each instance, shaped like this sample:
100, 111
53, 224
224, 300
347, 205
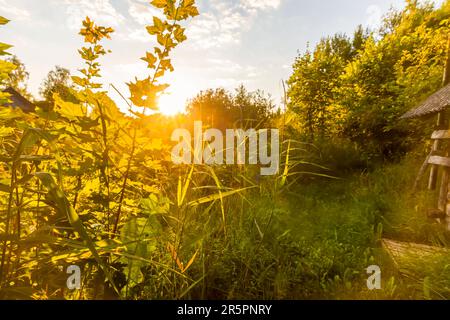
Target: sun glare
171, 104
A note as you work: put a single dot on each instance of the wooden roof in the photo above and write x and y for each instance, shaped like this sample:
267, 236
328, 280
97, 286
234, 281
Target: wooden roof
18, 101
437, 102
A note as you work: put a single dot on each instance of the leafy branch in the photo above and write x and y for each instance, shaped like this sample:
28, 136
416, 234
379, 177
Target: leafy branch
169, 34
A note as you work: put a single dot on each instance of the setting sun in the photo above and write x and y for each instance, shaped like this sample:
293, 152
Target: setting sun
182, 88
171, 104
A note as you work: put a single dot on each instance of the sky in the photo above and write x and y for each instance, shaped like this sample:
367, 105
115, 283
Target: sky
232, 42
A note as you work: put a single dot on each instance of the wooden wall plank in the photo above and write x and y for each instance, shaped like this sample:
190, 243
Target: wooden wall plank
441, 135
439, 161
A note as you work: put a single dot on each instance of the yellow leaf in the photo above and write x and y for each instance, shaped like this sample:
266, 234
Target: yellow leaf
179, 35
159, 3
144, 93
167, 65
152, 30
158, 24
190, 262
174, 254
150, 59
68, 110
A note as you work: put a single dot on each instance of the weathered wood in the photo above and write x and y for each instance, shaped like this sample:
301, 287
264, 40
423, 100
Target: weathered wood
406, 255
398, 248
441, 135
440, 121
436, 214
440, 125
443, 194
439, 161
436, 146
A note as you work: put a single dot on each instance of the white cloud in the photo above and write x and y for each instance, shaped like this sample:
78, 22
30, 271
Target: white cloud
227, 83
221, 26
12, 12
224, 65
211, 31
142, 12
261, 4
140, 35
225, 22
101, 11
131, 69
374, 15
230, 71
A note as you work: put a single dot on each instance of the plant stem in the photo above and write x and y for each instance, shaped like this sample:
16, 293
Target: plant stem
124, 185
8, 219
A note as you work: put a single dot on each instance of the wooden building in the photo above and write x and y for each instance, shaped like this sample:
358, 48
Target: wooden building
18, 101
406, 255
438, 161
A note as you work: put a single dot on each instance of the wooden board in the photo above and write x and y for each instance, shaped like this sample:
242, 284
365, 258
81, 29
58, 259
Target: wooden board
406, 254
432, 182
443, 192
441, 135
440, 161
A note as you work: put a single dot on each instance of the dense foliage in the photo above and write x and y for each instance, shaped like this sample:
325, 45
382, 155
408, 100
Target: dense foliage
221, 109
357, 88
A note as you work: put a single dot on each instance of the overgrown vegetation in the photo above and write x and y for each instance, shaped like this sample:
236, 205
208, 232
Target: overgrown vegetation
357, 88
83, 183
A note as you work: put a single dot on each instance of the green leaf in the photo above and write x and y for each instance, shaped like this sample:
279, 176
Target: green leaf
217, 196
182, 190
427, 288
5, 131
4, 188
65, 209
10, 113
154, 205
139, 237
17, 293
68, 110
24, 180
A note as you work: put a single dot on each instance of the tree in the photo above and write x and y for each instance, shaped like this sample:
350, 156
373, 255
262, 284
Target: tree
221, 109
169, 34
358, 88
252, 108
313, 85
213, 107
5, 67
57, 81
360, 37
391, 75
18, 78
